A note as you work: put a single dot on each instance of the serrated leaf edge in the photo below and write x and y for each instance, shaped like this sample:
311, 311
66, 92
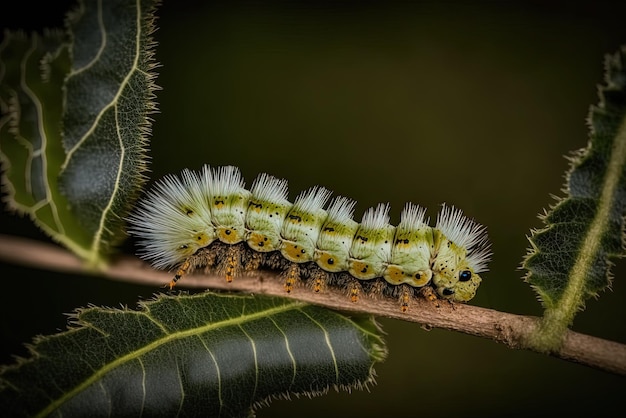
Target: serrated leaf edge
168, 337
559, 316
93, 256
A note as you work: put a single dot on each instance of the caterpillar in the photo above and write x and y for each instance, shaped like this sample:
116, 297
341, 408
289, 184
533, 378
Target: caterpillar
208, 219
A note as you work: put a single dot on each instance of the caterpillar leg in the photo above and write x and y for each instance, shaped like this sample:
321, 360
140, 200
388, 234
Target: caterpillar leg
353, 287
292, 276
182, 271
319, 280
253, 261
202, 258
428, 293
231, 264
376, 289
355, 292
405, 298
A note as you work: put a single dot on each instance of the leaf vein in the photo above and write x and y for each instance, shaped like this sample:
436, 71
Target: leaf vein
97, 236
103, 43
569, 302
328, 343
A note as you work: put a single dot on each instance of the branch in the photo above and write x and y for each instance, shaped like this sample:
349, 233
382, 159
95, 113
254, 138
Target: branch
509, 329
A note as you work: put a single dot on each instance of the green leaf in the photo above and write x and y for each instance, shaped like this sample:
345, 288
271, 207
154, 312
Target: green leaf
571, 257
109, 94
75, 122
202, 355
31, 100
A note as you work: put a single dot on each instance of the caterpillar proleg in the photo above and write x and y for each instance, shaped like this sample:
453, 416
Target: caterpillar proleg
208, 219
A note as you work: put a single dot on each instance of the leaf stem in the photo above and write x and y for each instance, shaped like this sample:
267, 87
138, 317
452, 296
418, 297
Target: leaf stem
506, 328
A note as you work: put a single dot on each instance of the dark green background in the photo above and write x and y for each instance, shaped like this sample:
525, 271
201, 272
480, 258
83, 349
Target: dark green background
469, 103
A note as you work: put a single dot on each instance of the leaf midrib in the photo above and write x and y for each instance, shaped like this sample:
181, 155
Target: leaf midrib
569, 303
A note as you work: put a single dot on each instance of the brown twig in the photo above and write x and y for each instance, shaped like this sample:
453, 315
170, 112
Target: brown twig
510, 329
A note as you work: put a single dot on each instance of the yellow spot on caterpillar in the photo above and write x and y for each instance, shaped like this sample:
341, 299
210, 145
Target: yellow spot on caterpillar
421, 278
360, 270
394, 275
294, 252
229, 235
202, 239
328, 262
260, 242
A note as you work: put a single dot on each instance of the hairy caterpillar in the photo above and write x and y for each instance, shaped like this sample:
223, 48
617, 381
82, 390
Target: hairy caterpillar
208, 219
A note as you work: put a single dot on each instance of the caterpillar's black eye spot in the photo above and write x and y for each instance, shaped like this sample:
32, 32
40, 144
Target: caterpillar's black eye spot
465, 275
331, 261
228, 232
448, 292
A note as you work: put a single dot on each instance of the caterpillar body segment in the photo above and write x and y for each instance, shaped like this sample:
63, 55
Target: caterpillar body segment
229, 204
209, 219
371, 247
332, 252
267, 209
411, 251
302, 225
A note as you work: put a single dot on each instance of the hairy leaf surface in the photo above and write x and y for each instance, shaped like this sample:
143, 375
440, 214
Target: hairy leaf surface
109, 94
571, 257
202, 355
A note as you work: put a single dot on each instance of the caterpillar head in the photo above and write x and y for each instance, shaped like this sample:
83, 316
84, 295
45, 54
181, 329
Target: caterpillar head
462, 252
459, 287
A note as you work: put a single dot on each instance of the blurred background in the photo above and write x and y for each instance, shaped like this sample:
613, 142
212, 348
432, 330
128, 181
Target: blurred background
473, 104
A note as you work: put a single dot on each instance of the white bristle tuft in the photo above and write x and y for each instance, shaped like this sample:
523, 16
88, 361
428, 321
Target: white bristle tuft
479, 257
313, 199
269, 188
412, 217
376, 218
226, 180
341, 209
464, 232
160, 220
